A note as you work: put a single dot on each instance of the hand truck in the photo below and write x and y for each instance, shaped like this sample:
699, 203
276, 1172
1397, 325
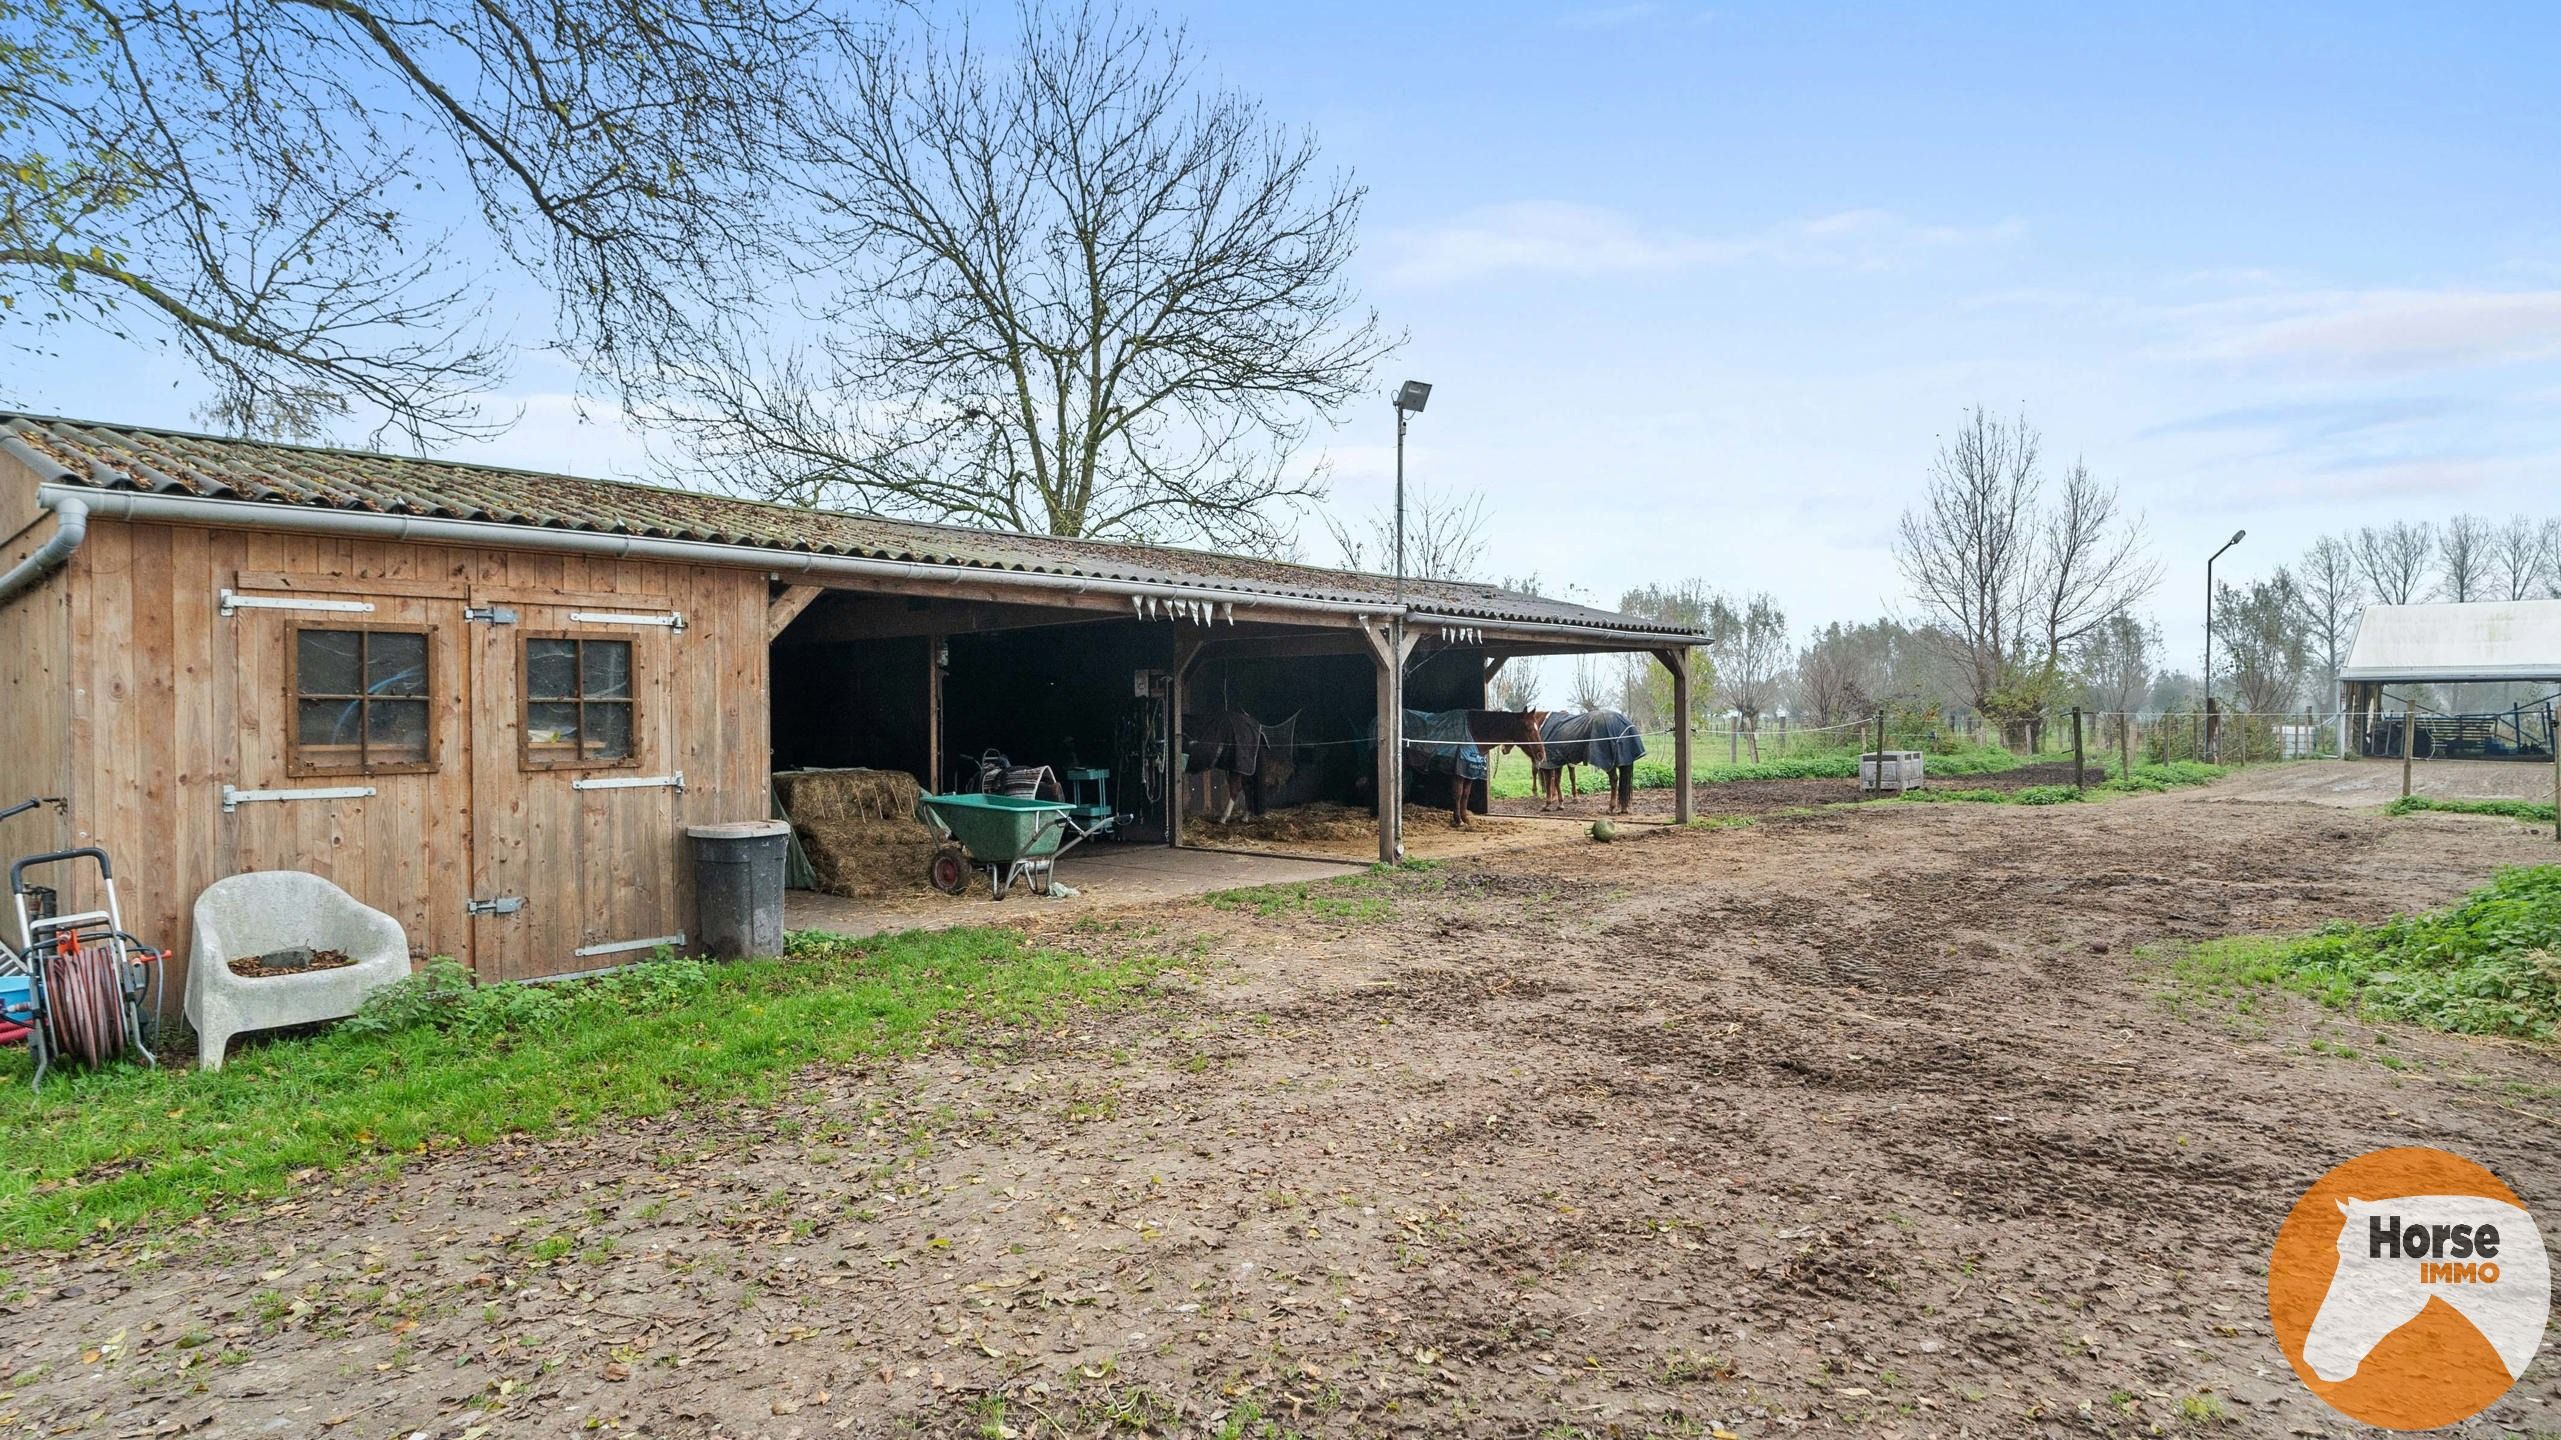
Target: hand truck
73, 986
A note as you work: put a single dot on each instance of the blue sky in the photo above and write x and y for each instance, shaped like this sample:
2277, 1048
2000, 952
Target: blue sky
1699, 287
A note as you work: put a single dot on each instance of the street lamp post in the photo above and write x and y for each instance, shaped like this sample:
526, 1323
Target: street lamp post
2214, 730
1410, 399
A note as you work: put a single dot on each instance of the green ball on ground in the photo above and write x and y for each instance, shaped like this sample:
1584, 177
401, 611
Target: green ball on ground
1604, 831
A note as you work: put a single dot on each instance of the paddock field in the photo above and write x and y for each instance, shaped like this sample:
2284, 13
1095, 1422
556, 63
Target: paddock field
1887, 1118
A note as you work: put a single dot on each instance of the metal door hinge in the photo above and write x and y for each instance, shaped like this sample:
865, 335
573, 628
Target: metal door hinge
501, 905
234, 797
233, 603
489, 614
671, 620
675, 782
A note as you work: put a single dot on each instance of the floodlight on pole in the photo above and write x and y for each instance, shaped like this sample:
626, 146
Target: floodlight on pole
1410, 399
2237, 537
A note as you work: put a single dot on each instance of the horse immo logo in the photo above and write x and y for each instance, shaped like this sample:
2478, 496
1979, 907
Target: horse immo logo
2409, 1288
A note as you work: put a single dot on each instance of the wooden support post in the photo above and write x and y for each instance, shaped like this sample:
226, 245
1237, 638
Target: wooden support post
786, 607
1678, 662
933, 714
1186, 651
2125, 746
2409, 741
1494, 667
2552, 736
1389, 645
2076, 747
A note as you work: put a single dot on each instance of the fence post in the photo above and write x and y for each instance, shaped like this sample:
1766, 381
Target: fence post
2409, 741
2125, 746
2076, 749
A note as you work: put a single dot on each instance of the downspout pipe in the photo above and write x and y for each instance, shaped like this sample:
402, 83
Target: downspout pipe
70, 527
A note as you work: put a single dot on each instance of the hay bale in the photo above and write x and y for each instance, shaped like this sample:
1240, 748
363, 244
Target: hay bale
859, 828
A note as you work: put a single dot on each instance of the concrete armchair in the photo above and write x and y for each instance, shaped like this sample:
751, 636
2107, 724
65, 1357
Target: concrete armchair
270, 910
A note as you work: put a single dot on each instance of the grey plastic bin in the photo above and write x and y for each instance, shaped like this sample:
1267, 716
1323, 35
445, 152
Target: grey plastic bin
738, 887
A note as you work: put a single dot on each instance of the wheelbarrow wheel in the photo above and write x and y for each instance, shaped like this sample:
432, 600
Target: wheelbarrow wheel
948, 872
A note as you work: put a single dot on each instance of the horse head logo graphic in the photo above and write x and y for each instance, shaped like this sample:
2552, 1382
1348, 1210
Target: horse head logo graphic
2482, 1257
2409, 1288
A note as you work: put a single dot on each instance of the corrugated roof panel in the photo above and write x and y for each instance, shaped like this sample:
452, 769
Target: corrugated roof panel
217, 467
2481, 640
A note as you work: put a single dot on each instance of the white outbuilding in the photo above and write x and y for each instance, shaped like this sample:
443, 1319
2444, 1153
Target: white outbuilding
2401, 647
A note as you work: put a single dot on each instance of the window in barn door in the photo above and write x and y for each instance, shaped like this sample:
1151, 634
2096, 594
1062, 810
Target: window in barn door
579, 706
361, 702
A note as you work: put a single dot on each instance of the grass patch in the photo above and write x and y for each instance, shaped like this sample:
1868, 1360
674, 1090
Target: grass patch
1349, 899
2154, 778
2490, 965
1513, 780
437, 1063
2525, 810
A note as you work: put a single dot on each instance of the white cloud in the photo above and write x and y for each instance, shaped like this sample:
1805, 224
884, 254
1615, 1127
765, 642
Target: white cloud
1560, 238
2384, 331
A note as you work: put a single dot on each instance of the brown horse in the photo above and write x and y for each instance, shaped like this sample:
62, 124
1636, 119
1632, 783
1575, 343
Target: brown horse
1253, 754
1604, 739
1462, 744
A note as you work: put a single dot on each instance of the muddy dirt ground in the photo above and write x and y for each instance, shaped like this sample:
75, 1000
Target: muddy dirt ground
1870, 1120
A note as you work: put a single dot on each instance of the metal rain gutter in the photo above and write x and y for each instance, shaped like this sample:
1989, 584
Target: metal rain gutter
1151, 599
70, 529
1497, 629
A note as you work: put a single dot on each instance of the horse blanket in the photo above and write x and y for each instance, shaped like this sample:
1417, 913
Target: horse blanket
1439, 742
1596, 737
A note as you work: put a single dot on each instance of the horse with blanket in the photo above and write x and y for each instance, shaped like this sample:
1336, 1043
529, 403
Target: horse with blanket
1462, 743
1252, 754
1603, 739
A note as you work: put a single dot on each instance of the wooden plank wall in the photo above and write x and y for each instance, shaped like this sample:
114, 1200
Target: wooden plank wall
162, 694
35, 655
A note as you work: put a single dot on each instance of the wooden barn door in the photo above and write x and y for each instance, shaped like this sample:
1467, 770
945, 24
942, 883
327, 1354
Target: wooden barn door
351, 754
576, 797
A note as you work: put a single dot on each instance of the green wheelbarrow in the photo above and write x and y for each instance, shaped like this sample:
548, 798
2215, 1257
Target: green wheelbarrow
1011, 837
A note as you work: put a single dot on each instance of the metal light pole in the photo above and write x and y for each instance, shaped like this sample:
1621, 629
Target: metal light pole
2215, 729
1410, 399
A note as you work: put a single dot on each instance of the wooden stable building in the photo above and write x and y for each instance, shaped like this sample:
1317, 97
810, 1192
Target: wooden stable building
489, 701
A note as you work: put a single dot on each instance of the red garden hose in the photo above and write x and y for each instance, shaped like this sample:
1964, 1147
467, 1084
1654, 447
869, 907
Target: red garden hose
84, 1005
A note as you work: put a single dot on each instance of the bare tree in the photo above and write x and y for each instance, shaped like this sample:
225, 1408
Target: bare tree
1644, 687
1444, 536
2523, 553
2332, 589
2262, 628
1590, 689
1062, 287
2009, 576
2394, 559
1835, 679
238, 178
1516, 685
2116, 659
1751, 653
2465, 551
